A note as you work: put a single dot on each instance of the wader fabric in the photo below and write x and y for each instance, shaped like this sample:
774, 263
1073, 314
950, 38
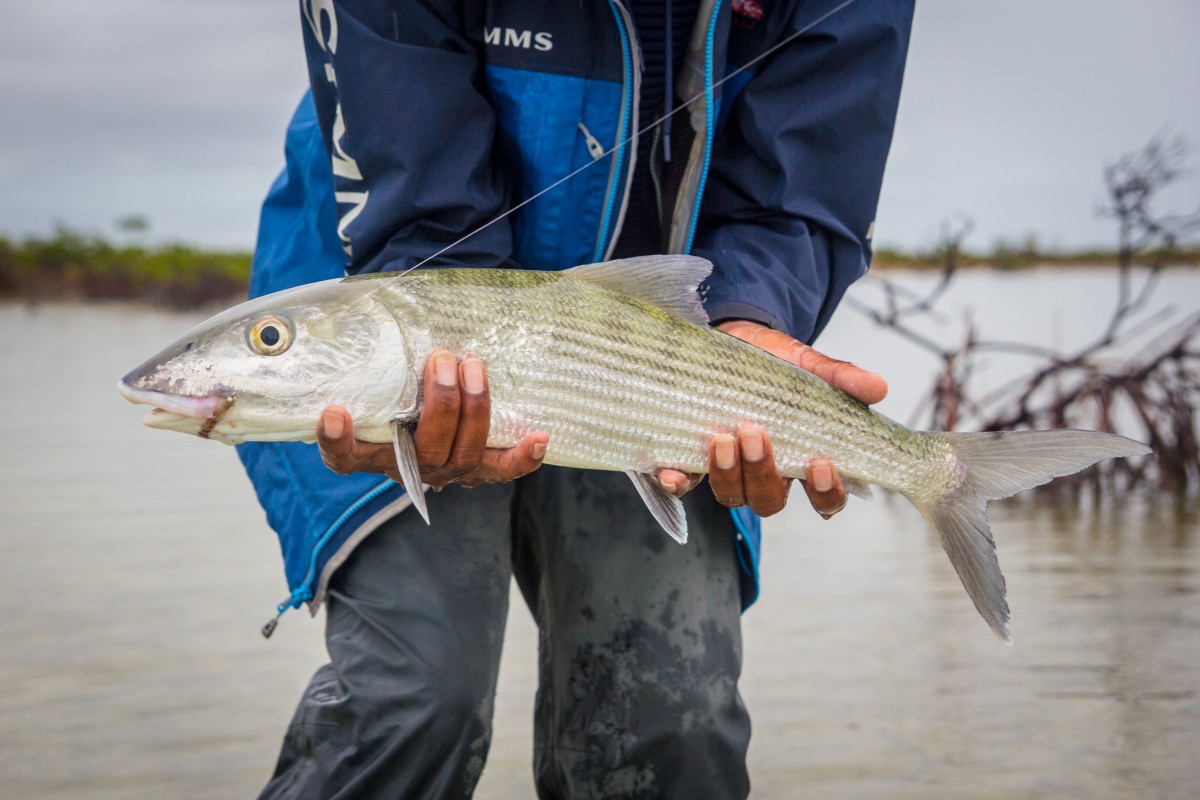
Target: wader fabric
639, 649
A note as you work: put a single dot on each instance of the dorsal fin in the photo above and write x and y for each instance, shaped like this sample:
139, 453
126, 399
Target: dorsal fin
669, 282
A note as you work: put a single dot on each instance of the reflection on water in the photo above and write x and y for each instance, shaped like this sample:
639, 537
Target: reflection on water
136, 570
898, 689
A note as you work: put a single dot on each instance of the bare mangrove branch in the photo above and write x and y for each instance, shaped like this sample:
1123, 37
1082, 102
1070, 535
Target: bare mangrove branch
1149, 396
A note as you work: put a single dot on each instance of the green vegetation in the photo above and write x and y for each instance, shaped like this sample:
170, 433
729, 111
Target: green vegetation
1014, 256
71, 265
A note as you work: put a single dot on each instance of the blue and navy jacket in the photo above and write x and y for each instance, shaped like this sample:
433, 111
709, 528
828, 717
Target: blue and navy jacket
428, 119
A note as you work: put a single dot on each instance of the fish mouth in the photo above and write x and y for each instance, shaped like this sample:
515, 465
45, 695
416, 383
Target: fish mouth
173, 412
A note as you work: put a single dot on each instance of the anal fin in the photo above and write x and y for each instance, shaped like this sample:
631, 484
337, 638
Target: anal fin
406, 464
666, 507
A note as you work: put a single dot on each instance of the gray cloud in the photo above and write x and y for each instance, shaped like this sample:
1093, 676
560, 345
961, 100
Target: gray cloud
1011, 109
171, 109
176, 110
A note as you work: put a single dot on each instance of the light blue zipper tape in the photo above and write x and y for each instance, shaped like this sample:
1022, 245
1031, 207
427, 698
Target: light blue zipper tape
627, 114
751, 568
304, 592
709, 121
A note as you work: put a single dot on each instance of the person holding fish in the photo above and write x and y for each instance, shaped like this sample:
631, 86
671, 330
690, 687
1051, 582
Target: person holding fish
753, 134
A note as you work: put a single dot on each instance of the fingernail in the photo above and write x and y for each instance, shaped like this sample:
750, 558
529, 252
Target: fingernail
752, 445
538, 451
446, 371
667, 485
331, 421
822, 478
723, 445
473, 376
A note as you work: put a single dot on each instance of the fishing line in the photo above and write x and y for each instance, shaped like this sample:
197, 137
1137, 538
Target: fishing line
790, 38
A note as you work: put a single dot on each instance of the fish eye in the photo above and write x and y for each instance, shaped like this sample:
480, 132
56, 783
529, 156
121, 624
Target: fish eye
270, 336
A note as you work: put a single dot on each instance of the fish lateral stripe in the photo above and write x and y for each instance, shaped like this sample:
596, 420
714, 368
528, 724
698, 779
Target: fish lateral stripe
620, 373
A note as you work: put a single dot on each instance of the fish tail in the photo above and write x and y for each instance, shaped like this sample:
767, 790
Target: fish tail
1000, 464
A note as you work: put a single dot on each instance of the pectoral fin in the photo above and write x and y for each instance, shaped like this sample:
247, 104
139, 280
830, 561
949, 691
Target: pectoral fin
666, 507
406, 463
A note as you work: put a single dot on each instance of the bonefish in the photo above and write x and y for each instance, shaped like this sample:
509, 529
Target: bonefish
615, 361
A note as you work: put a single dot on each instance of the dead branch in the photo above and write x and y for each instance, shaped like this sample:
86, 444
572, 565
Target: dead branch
1150, 396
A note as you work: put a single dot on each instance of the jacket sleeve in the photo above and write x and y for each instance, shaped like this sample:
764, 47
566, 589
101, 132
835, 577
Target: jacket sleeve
787, 214
401, 106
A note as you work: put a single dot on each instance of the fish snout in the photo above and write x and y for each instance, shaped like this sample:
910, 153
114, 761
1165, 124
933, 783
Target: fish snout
183, 413
183, 405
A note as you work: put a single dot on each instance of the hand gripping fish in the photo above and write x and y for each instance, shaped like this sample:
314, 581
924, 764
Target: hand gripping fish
615, 361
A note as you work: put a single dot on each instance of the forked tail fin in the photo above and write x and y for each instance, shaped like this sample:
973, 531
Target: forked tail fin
996, 465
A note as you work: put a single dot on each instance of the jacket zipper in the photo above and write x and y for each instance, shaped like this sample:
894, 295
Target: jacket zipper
710, 122
304, 592
621, 174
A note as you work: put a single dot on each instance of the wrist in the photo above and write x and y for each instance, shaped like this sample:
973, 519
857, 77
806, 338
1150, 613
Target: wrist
721, 313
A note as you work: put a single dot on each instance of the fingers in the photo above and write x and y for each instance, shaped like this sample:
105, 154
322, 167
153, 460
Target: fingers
335, 437
824, 488
863, 385
725, 471
678, 483
452, 431
450, 438
438, 423
344, 454
474, 416
742, 471
451, 434
498, 466
766, 489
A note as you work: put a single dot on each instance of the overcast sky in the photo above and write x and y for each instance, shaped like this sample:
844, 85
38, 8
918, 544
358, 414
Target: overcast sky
175, 110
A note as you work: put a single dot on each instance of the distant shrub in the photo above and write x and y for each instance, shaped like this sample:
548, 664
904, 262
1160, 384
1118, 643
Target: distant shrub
71, 265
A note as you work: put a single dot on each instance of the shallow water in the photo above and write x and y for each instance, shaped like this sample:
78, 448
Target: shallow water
136, 569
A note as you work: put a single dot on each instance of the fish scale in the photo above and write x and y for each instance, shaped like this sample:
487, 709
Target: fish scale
616, 362
621, 390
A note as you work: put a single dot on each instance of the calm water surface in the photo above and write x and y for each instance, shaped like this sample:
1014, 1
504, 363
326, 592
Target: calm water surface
136, 569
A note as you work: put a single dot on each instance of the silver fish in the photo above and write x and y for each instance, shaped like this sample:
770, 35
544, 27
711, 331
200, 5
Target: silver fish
615, 361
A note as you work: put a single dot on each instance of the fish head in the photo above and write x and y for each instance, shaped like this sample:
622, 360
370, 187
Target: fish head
264, 370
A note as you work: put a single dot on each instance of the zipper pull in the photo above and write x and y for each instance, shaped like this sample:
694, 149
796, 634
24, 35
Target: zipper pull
293, 600
593, 144
273, 623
